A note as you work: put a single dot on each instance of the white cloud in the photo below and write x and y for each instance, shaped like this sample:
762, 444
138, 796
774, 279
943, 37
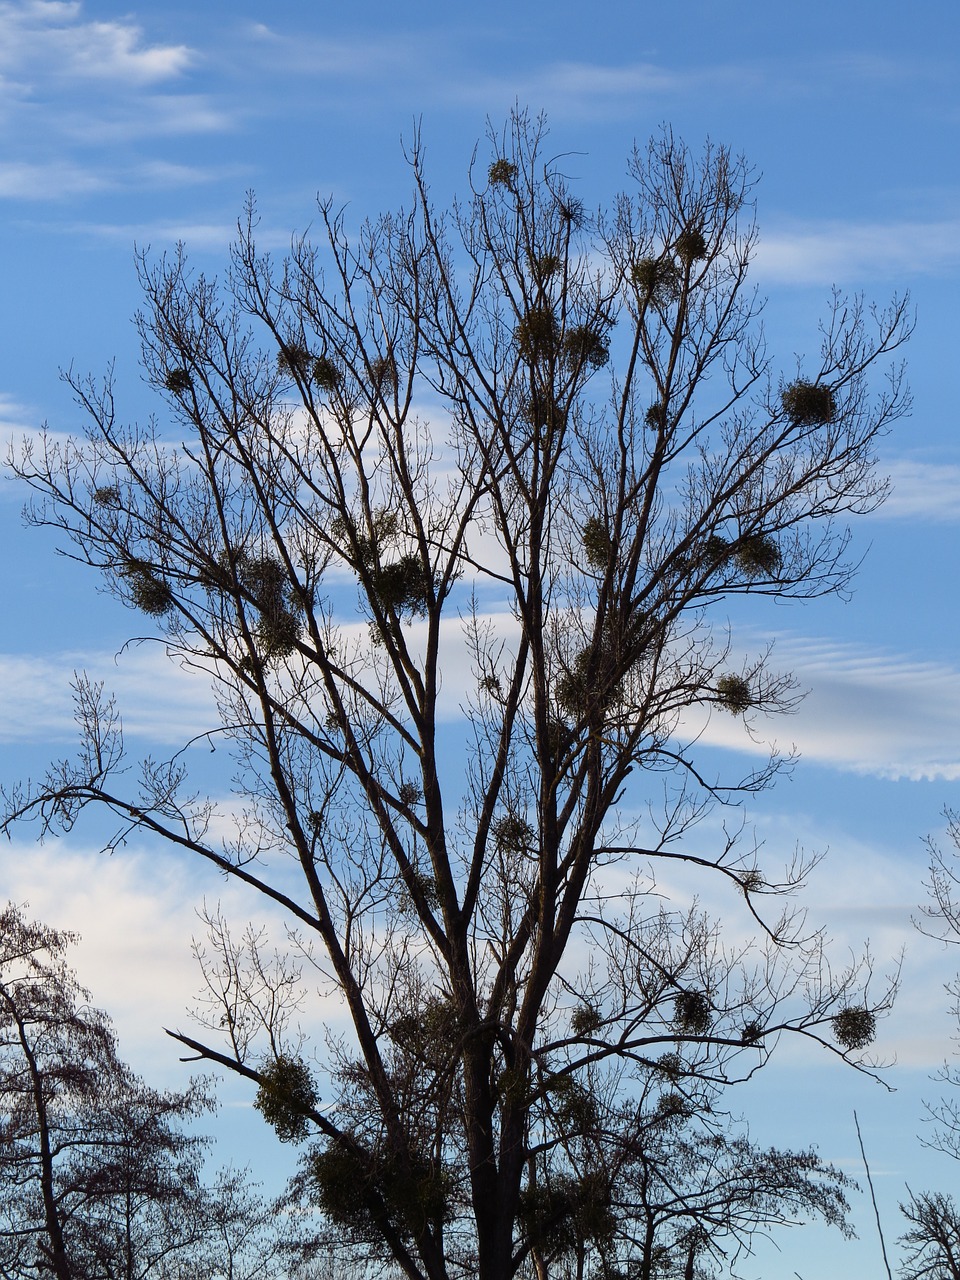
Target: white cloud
592, 89
163, 173
57, 179
54, 180
68, 82
42, 36
927, 491
146, 115
833, 251
14, 417
341, 58
136, 913
216, 236
867, 711
157, 699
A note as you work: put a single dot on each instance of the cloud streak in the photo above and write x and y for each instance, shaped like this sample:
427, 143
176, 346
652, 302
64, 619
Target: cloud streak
158, 700
833, 251
925, 491
867, 711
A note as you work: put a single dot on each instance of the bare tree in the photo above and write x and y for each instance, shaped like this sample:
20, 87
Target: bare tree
941, 919
933, 1238
550, 446
99, 1177
241, 1235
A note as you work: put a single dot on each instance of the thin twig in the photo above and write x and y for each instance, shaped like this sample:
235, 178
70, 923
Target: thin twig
873, 1197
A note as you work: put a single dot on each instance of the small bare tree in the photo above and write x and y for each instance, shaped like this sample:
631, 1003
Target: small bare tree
932, 1240
550, 446
941, 919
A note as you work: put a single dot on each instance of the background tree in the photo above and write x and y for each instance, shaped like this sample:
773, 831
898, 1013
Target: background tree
932, 1239
609, 464
941, 919
245, 1238
97, 1176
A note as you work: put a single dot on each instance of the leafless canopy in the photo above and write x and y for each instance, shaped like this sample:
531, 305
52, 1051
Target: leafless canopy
540, 452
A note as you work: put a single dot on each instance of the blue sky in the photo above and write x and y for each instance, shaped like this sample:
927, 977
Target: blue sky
148, 125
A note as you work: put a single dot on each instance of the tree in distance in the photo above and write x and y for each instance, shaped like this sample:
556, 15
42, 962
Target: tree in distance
97, 1177
546, 448
932, 1239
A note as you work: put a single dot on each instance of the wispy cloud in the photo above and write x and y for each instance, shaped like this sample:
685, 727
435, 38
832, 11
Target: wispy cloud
195, 235
867, 711
158, 700
340, 57
832, 251
926, 491
53, 38
52, 181
57, 180
15, 418
593, 89
145, 115
72, 90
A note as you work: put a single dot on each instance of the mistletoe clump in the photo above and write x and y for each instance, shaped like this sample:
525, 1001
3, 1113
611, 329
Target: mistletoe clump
278, 628
690, 245
295, 359
656, 416
327, 375
656, 280
546, 265
692, 1014
808, 404
360, 1187
854, 1027
178, 381
716, 550
286, 1096
403, 586
584, 1019
595, 677
513, 833
758, 556
734, 694
537, 334
148, 591
502, 173
106, 495
585, 345
383, 375
544, 411
597, 543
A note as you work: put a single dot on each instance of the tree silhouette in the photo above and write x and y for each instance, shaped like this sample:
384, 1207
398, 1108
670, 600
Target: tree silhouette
543, 454
97, 1176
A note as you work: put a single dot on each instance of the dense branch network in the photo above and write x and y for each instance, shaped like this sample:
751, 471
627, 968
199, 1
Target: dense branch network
541, 454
